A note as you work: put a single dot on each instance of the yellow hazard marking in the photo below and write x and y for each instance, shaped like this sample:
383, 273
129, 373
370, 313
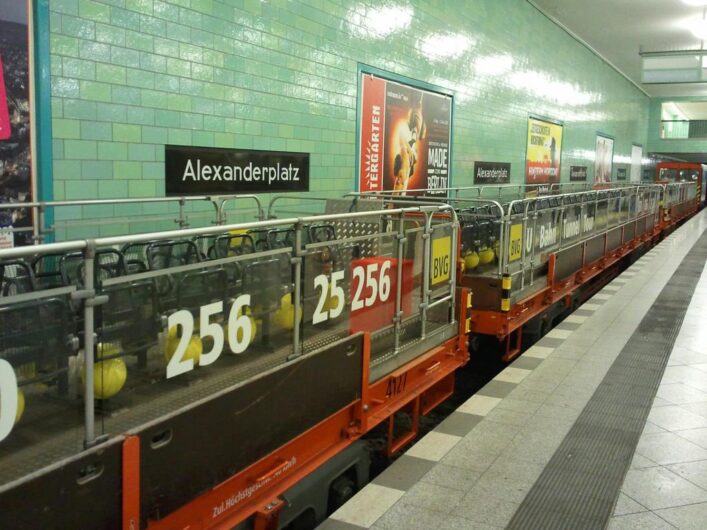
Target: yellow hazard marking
506, 282
515, 244
441, 259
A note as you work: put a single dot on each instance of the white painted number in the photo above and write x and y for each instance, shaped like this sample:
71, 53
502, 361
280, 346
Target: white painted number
238, 320
357, 303
8, 398
372, 284
177, 365
377, 283
384, 284
337, 292
240, 333
379, 288
321, 283
211, 329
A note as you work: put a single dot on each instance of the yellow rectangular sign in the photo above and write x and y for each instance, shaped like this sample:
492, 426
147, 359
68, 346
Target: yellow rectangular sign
515, 243
441, 259
544, 149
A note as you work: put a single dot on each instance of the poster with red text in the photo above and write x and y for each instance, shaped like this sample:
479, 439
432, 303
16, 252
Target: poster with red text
543, 154
405, 142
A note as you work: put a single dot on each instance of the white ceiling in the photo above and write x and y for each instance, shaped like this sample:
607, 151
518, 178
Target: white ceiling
685, 110
619, 29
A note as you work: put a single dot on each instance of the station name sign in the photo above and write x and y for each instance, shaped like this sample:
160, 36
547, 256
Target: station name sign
578, 173
492, 173
210, 170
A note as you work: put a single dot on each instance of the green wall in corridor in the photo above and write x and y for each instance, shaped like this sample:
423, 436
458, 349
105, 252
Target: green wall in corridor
132, 75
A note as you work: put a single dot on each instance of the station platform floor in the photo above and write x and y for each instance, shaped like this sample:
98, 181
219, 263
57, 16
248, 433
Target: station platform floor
602, 423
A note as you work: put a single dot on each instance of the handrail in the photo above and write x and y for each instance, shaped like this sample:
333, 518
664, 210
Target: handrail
478, 188
277, 198
39, 207
65, 246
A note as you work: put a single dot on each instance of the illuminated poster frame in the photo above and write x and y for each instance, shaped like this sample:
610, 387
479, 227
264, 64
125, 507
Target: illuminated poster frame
604, 159
403, 133
543, 154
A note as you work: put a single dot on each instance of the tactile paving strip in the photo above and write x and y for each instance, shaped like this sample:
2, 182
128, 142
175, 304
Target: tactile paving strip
580, 484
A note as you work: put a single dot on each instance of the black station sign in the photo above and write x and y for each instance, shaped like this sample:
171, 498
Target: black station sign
492, 173
578, 173
621, 173
212, 171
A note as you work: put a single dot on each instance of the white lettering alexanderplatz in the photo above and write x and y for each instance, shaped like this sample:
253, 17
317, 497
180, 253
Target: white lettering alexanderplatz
247, 173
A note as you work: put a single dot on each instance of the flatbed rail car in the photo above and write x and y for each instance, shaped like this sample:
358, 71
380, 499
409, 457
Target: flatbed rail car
527, 260
192, 378
667, 172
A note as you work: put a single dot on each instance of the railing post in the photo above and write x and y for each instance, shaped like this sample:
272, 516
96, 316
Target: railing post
39, 219
89, 343
524, 234
453, 267
532, 242
397, 318
297, 261
182, 219
427, 244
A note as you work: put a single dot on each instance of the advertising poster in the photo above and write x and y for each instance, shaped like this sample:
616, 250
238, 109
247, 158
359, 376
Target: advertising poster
604, 160
636, 162
544, 150
211, 170
405, 139
578, 173
492, 173
15, 141
621, 173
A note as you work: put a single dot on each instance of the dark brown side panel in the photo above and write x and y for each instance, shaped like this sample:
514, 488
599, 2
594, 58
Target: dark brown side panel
568, 262
204, 446
629, 232
595, 249
84, 493
487, 291
613, 239
641, 226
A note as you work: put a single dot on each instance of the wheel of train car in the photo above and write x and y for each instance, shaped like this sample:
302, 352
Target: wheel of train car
340, 491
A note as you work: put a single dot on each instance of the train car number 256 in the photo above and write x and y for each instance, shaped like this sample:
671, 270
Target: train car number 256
240, 332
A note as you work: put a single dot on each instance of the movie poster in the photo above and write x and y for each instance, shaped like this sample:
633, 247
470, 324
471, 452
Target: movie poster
604, 160
15, 142
405, 137
544, 151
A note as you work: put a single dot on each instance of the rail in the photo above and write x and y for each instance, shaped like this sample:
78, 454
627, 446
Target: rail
39, 211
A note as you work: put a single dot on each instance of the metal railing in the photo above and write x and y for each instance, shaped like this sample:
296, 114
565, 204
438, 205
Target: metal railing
40, 209
683, 129
132, 302
572, 220
486, 225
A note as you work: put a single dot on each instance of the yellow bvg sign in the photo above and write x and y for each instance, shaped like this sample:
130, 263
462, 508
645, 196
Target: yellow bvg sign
441, 259
515, 242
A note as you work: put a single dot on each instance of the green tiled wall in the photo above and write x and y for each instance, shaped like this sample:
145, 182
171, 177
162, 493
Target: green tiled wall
132, 75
